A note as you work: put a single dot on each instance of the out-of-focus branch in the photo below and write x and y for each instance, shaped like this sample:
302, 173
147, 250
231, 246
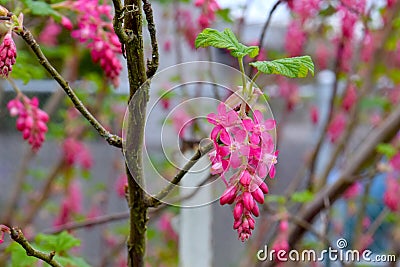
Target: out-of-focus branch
155, 201
365, 151
18, 236
266, 26
152, 65
89, 222
112, 139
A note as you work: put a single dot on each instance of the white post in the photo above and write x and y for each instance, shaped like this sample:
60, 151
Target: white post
195, 248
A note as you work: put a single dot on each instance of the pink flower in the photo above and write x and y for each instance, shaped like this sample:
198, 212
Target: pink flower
181, 120
390, 3
367, 47
167, 46
350, 98
295, 39
121, 185
281, 241
346, 55
4, 229
31, 119
208, 9
49, 34
353, 191
322, 56
305, 8
314, 115
289, 91
75, 152
391, 196
72, 203
165, 226
395, 162
95, 30
245, 146
336, 127
8, 53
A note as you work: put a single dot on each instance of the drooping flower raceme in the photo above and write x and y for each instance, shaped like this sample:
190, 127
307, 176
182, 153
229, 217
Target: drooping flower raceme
244, 146
95, 30
31, 119
8, 53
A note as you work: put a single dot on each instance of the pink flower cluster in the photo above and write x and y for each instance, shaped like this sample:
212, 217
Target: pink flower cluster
186, 27
94, 28
8, 53
72, 203
295, 39
391, 196
208, 9
305, 8
121, 184
31, 119
75, 152
281, 241
339, 121
244, 147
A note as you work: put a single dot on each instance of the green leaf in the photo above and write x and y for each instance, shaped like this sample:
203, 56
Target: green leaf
275, 198
386, 149
40, 8
224, 14
19, 257
225, 39
71, 261
60, 242
293, 67
303, 197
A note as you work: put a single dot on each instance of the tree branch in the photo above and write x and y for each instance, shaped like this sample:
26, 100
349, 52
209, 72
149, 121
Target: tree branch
156, 200
152, 65
117, 23
366, 150
18, 236
112, 139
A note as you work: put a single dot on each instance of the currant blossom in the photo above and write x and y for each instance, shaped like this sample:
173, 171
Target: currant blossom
367, 47
8, 54
295, 39
350, 97
4, 229
208, 9
322, 56
281, 242
336, 127
72, 203
314, 115
245, 146
48, 36
31, 119
121, 185
75, 152
391, 195
353, 191
95, 30
305, 8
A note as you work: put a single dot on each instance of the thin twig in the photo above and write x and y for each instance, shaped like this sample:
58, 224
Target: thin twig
266, 26
156, 200
18, 236
89, 222
152, 65
112, 139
